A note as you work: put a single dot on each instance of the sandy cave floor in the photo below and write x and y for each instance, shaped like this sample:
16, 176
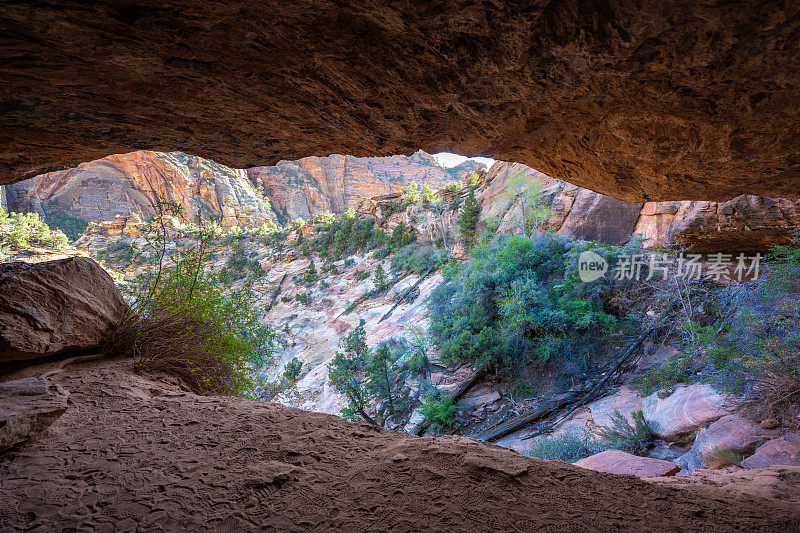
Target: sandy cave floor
131, 453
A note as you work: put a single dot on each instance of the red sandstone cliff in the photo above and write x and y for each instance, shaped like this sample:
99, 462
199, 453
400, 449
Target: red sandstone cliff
128, 184
744, 223
125, 184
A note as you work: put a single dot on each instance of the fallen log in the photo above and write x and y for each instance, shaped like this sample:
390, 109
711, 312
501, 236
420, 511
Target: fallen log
467, 384
407, 291
573, 400
520, 422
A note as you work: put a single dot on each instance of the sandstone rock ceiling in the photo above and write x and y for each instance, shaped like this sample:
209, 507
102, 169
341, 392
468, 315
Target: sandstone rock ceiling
648, 99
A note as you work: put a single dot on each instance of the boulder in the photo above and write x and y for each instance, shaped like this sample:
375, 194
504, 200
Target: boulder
27, 407
729, 432
685, 410
619, 462
415, 422
782, 451
626, 400
55, 307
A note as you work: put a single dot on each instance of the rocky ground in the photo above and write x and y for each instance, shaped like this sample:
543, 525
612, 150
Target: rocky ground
130, 451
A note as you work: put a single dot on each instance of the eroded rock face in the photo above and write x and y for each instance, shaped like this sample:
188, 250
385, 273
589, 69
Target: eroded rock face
125, 184
731, 433
28, 407
782, 451
54, 307
129, 184
642, 101
338, 182
744, 223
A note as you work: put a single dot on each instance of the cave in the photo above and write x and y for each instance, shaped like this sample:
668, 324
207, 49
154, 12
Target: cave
642, 101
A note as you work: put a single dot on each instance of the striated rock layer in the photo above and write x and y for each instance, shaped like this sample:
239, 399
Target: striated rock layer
55, 307
128, 184
336, 183
744, 223
649, 100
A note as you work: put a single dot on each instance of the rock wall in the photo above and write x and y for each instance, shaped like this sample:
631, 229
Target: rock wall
335, 183
744, 223
128, 184
121, 185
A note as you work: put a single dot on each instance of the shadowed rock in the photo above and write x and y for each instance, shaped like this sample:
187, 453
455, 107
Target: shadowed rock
27, 407
652, 100
55, 307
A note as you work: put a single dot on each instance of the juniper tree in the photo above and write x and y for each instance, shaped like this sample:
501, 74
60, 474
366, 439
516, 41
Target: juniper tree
346, 372
380, 278
382, 375
468, 221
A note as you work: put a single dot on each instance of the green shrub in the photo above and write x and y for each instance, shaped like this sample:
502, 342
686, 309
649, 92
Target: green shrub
417, 258
519, 300
117, 251
664, 375
311, 273
72, 227
414, 194
182, 323
439, 411
566, 447
346, 236
361, 275
755, 345
381, 283
292, 369
621, 435
303, 297
472, 179
28, 230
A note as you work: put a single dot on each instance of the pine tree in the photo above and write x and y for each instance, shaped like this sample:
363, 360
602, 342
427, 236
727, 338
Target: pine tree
468, 221
382, 375
380, 278
346, 373
311, 273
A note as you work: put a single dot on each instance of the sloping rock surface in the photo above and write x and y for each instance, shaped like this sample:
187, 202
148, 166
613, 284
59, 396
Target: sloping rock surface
619, 462
54, 307
782, 451
134, 453
651, 100
27, 407
730, 432
685, 410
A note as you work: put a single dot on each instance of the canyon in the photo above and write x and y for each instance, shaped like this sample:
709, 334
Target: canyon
128, 184
662, 126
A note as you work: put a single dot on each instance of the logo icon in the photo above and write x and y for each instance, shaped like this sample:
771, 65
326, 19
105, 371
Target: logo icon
591, 266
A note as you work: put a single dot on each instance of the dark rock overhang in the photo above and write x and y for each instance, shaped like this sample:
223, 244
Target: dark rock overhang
641, 100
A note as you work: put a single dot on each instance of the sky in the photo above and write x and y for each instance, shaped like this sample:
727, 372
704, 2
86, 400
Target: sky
448, 160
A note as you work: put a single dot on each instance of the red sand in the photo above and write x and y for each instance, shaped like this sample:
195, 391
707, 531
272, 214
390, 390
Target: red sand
132, 452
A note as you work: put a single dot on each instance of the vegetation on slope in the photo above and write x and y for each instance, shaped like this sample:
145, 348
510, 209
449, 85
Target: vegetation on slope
183, 323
